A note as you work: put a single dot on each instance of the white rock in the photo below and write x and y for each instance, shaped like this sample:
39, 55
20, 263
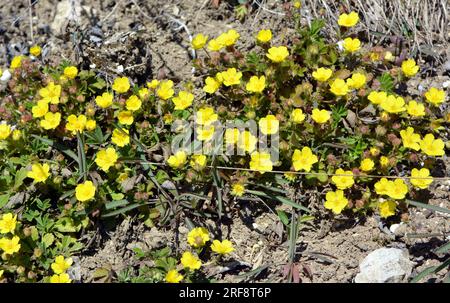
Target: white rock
119, 69
394, 227
5, 76
385, 265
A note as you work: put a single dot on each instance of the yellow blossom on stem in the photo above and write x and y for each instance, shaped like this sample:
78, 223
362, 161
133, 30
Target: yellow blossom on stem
335, 201
261, 162
61, 264
247, 141
410, 139
409, 67
70, 72
153, 84
8, 223
320, 115
384, 161
165, 90
222, 248
199, 41
397, 189
356, 81
5, 131
322, 74
367, 164
91, 125
339, 87
352, 45
264, 35
297, 115
344, 179
215, 45
40, 109
106, 158
105, 100
211, 85
61, 278
51, 93
133, 103
120, 138
277, 54
183, 100
121, 85
418, 174
256, 85
85, 191
304, 159
198, 237
205, 116
237, 189
10, 246
348, 20
393, 105
39, 172
269, 125
125, 117
229, 38
76, 124
198, 162
435, 96
35, 50
377, 97
50, 121
173, 276
143, 93
231, 136
387, 209
205, 133
415, 109
431, 146
178, 159
16, 62
190, 261
231, 77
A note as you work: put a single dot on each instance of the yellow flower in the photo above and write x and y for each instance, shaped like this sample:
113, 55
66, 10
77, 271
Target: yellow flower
133, 103
8, 223
388, 56
264, 35
199, 41
51, 121
322, 74
198, 162
153, 84
335, 201
125, 117
71, 72
339, 87
178, 159
384, 161
215, 45
35, 50
121, 85
198, 237
165, 90
297, 4
432, 147
278, 54
409, 67
387, 209
231, 136
183, 100
5, 131
205, 133
269, 125
40, 109
256, 85
51, 93
229, 38
247, 141
348, 20
205, 116
173, 276
367, 164
320, 115
382, 187
290, 176
422, 173
85, 191
61, 264
16, 62
410, 139
345, 181
120, 138
39, 172
415, 109
304, 159
106, 158
91, 125
238, 189
374, 151
143, 93
222, 248
435, 96
211, 85
10, 246
393, 105
377, 97
61, 278
188, 260
356, 81
352, 45
261, 162
297, 116
105, 100
397, 189
76, 124
16, 134
231, 77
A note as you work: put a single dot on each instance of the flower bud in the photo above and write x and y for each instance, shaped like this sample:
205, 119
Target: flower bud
380, 131
27, 231
37, 253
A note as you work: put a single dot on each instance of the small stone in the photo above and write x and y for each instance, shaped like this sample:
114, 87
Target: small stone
385, 265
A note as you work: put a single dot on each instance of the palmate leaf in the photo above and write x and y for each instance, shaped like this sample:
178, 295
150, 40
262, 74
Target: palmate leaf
386, 82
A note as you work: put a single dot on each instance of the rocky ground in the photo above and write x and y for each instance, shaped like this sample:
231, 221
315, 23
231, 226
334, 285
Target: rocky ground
151, 40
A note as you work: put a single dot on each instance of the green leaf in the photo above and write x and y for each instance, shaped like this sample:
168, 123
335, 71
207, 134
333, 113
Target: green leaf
386, 82
283, 217
62, 148
121, 210
428, 206
443, 249
47, 240
4, 199
20, 176
279, 199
